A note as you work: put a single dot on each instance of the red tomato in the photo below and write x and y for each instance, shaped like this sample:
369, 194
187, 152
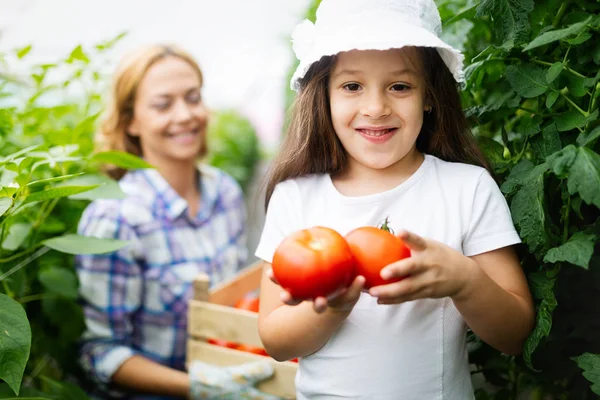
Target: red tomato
313, 262
222, 343
252, 349
248, 303
374, 248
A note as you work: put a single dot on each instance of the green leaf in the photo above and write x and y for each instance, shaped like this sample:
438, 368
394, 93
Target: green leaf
569, 120
542, 287
554, 71
590, 364
17, 233
23, 51
551, 99
547, 143
5, 204
581, 166
60, 281
584, 176
511, 22
518, 176
577, 250
107, 188
552, 36
76, 244
581, 38
529, 212
64, 390
78, 55
527, 80
121, 159
15, 342
58, 192
583, 139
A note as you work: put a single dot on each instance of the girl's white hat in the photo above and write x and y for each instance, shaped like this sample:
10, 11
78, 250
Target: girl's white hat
344, 25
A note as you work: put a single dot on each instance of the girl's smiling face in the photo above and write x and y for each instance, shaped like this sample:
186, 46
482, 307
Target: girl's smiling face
377, 101
169, 116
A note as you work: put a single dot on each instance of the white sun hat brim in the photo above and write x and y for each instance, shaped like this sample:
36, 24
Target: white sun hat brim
375, 30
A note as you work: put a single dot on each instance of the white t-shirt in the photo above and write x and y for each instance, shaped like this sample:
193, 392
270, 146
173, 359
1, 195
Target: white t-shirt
411, 351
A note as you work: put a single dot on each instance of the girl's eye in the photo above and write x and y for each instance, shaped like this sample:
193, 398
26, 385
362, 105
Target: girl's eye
400, 87
351, 87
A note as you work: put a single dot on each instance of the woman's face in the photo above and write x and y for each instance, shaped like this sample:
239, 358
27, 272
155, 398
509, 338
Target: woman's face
168, 114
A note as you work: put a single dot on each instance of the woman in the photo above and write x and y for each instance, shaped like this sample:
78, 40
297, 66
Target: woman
180, 218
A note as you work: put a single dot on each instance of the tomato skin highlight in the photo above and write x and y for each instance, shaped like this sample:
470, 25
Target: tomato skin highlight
313, 262
374, 248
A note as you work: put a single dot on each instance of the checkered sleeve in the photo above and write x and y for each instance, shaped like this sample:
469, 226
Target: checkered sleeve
110, 290
236, 215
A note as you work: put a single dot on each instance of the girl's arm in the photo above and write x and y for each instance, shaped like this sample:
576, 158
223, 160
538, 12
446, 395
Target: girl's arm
142, 375
495, 300
290, 331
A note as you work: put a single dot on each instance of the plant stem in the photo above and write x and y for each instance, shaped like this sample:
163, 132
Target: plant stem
36, 297
19, 255
584, 113
566, 68
561, 11
566, 221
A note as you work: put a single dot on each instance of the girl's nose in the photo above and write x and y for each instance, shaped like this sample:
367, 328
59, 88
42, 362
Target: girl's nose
375, 105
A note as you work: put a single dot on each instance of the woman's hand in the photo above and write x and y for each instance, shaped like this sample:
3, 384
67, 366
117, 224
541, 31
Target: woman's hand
433, 270
342, 301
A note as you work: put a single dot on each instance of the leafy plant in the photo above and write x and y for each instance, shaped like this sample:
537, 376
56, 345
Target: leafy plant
233, 145
47, 175
532, 95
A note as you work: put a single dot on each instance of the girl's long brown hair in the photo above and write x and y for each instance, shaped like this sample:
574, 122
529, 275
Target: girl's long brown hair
112, 133
311, 146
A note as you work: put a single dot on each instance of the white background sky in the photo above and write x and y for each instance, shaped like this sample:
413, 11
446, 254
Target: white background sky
242, 45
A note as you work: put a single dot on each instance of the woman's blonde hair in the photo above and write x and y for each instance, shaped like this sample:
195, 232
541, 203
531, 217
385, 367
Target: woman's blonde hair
112, 133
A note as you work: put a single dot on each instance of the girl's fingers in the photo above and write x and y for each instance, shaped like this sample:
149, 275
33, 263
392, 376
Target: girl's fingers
271, 276
399, 269
405, 287
412, 240
287, 298
320, 304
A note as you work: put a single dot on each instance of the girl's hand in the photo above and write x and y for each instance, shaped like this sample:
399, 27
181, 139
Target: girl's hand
342, 301
434, 270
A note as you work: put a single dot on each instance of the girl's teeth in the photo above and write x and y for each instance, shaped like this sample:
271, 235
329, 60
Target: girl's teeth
376, 133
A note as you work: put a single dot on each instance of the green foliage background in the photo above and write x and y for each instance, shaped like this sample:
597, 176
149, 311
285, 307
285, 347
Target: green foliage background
48, 174
533, 72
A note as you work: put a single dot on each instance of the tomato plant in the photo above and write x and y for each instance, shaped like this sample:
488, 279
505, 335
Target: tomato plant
313, 262
373, 248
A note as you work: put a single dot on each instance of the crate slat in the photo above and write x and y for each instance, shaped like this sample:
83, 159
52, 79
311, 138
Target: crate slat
208, 320
281, 384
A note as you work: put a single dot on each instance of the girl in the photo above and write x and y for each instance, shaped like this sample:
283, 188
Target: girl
181, 218
377, 131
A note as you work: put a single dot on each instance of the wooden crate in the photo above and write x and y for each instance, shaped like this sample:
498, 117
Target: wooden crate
211, 315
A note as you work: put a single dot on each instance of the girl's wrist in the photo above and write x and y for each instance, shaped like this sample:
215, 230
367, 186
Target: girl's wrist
468, 278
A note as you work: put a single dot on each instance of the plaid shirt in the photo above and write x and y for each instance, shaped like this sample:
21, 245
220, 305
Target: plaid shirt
135, 299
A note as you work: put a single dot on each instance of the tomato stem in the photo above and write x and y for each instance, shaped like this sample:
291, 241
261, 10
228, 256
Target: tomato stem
385, 226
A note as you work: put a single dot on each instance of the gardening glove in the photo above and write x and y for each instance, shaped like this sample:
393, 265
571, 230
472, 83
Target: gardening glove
209, 382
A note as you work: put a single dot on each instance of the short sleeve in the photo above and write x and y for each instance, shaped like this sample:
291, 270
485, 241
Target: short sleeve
282, 218
491, 226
